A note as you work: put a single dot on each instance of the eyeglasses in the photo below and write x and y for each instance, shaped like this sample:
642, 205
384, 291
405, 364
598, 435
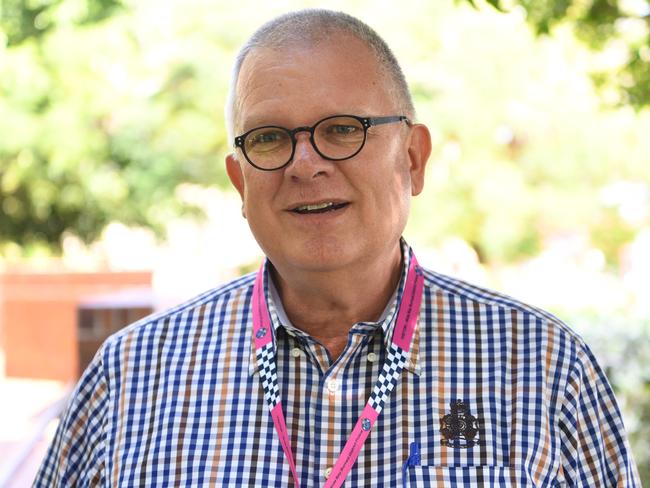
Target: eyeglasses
335, 138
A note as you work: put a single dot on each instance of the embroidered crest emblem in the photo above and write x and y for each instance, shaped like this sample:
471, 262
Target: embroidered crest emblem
261, 332
459, 428
365, 424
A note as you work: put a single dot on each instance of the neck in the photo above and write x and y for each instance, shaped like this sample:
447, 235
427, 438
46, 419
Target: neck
327, 304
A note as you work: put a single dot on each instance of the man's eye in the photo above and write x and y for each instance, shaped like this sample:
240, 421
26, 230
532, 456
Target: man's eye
265, 139
343, 130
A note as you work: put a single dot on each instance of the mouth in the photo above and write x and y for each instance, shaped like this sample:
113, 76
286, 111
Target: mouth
317, 208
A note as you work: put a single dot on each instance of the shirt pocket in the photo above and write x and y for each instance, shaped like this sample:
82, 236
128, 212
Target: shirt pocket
457, 477
468, 476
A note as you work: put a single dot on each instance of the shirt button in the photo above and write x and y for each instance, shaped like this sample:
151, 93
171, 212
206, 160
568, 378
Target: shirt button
296, 352
372, 357
327, 473
333, 386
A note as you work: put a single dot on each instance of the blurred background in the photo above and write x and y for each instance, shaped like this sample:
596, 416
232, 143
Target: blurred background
114, 200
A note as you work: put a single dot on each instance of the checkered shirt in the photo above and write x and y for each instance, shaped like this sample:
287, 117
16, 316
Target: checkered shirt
177, 400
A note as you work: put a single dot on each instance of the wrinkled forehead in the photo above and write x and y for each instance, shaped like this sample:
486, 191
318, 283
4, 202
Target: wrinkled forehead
331, 76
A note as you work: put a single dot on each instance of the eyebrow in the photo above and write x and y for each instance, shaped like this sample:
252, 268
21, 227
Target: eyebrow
263, 120
249, 123
253, 122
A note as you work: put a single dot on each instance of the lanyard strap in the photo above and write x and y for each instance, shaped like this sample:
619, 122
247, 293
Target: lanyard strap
393, 365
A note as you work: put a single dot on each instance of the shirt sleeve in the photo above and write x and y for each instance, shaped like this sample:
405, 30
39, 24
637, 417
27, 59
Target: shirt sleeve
76, 455
595, 450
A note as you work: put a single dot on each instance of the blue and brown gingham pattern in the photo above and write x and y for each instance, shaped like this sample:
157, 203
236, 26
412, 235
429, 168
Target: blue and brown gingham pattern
176, 400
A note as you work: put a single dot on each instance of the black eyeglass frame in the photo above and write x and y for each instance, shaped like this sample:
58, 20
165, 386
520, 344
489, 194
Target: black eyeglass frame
366, 123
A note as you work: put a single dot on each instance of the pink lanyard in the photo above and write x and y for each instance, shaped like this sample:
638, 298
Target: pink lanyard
393, 365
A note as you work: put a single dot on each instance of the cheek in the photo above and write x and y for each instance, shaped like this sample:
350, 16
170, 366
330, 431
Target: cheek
259, 197
391, 180
396, 195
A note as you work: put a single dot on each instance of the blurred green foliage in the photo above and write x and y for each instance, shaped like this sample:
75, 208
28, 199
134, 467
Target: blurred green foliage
524, 150
622, 24
31, 19
97, 125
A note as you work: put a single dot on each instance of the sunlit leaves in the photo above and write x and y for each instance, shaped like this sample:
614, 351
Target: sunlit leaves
599, 23
102, 123
22, 20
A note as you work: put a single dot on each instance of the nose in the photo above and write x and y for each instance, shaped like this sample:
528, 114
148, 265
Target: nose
307, 163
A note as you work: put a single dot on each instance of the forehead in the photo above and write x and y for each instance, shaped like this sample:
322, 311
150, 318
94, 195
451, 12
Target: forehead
299, 84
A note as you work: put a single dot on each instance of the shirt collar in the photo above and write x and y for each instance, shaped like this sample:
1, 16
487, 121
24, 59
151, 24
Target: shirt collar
386, 322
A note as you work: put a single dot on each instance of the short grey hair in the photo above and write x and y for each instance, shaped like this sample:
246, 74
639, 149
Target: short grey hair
308, 27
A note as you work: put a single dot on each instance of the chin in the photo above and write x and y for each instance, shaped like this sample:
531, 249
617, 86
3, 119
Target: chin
319, 255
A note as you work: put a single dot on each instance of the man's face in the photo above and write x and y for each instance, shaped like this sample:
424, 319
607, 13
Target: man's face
298, 87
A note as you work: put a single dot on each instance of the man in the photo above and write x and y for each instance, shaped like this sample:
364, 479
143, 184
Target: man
341, 360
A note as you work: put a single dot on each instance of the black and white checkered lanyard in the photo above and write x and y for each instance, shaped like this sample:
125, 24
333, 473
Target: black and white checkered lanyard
398, 351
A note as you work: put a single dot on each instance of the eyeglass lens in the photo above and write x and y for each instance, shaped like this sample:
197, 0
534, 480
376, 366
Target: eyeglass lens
335, 138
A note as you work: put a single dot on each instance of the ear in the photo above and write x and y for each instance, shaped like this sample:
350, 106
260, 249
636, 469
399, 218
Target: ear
419, 150
236, 177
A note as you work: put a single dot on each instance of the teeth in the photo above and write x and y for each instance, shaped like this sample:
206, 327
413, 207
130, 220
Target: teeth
318, 206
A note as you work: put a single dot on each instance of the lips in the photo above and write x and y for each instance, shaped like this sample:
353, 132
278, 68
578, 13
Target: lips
320, 207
